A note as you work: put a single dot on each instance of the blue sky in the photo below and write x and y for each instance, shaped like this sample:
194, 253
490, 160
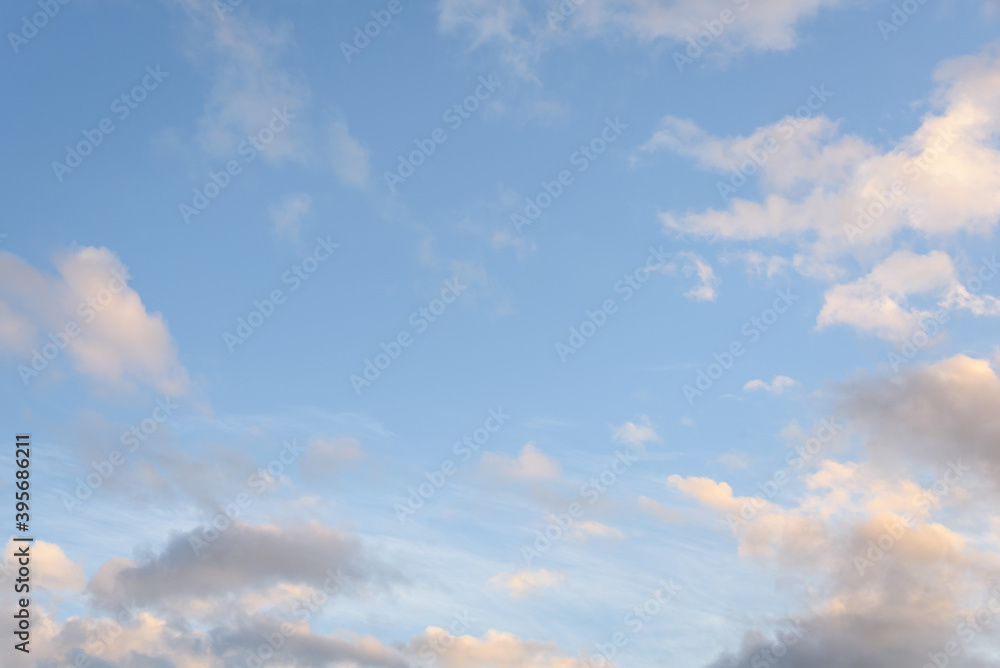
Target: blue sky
633, 372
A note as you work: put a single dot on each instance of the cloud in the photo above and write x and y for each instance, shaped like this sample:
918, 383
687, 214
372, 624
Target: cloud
287, 214
521, 34
636, 435
89, 311
248, 81
50, 567
587, 529
930, 414
530, 464
832, 193
241, 558
526, 582
349, 157
776, 386
877, 303
495, 649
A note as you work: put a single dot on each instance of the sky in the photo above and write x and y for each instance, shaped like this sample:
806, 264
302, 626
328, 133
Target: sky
559, 334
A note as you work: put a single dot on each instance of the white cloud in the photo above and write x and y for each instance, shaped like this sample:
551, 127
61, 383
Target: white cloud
116, 341
636, 435
530, 464
526, 582
776, 386
878, 303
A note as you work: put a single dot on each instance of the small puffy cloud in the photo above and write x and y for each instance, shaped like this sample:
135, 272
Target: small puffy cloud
525, 582
776, 386
287, 214
634, 434
587, 529
530, 464
691, 264
734, 461
90, 309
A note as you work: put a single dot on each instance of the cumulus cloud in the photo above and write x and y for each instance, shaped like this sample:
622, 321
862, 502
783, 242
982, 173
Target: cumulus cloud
530, 464
525, 582
776, 386
90, 310
930, 413
636, 435
877, 302
832, 192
